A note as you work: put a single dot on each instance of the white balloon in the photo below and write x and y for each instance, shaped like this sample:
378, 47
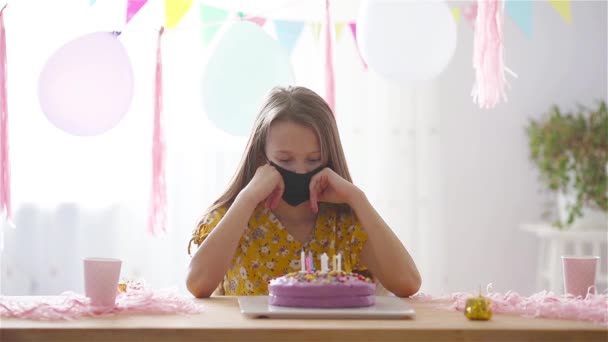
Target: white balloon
406, 40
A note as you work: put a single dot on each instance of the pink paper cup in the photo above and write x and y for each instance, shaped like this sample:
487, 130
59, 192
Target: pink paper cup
579, 274
101, 281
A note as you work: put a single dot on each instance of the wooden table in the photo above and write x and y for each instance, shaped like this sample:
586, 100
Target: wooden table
222, 320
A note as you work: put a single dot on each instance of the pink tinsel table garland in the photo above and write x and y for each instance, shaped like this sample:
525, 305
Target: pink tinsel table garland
544, 304
70, 305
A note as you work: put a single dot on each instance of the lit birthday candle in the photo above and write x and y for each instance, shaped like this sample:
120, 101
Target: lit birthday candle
302, 261
324, 261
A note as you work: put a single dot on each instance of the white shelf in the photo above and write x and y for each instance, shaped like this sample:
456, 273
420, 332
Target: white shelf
545, 230
553, 243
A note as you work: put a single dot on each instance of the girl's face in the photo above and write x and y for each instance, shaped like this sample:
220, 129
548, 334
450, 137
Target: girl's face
293, 147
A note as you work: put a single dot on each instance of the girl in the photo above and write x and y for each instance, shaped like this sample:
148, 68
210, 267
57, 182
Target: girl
292, 192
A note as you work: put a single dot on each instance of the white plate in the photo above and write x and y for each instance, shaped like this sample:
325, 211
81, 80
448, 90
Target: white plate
385, 307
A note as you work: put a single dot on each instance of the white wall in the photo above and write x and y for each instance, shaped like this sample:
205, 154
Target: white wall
489, 186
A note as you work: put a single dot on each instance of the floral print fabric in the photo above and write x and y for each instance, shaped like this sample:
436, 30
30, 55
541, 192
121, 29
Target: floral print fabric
267, 250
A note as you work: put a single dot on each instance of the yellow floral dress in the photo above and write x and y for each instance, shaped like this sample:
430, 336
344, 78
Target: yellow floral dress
267, 250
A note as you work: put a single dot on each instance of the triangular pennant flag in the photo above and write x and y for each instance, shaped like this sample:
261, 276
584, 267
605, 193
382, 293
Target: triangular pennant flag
133, 6
288, 33
175, 10
469, 13
521, 12
353, 30
563, 8
211, 17
316, 30
338, 30
456, 14
257, 20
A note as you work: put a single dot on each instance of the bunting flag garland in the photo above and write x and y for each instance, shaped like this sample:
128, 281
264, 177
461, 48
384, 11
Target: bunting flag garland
212, 16
158, 196
133, 6
520, 11
175, 11
5, 171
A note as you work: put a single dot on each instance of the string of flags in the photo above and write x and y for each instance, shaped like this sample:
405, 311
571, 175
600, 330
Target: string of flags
289, 31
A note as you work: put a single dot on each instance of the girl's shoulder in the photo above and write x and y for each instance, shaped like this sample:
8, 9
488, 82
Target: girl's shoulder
206, 225
213, 215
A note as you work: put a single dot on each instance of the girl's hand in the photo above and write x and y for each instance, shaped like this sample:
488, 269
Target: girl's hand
266, 186
328, 186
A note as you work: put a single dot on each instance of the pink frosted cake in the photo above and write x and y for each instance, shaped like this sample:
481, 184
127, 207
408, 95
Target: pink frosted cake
322, 290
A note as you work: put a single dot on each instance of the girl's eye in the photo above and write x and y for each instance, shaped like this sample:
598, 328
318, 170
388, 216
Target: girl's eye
284, 160
314, 160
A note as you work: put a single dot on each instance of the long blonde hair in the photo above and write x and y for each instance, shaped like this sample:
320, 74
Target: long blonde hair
299, 105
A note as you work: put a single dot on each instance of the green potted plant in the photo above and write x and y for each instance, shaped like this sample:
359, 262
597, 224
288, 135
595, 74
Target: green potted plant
570, 151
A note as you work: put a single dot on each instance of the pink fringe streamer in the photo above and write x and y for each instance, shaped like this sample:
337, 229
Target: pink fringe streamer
158, 200
71, 306
330, 85
488, 54
5, 172
544, 304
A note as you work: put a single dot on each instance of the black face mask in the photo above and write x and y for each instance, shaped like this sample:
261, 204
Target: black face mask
296, 185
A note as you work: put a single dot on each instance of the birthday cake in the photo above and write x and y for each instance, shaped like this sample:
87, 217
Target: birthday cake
315, 289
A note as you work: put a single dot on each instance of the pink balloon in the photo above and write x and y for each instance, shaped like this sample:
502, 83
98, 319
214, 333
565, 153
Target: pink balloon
86, 86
